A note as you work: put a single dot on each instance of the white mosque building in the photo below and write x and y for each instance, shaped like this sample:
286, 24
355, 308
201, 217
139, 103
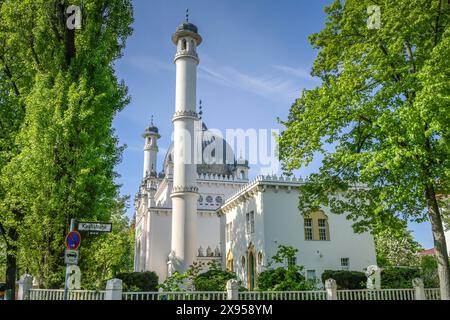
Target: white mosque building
209, 210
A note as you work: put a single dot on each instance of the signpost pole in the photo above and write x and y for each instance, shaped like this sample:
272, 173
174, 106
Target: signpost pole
66, 285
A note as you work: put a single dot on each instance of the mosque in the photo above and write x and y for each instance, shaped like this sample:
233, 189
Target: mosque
203, 208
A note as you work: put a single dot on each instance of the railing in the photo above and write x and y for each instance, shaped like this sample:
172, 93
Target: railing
58, 294
194, 295
380, 294
433, 294
282, 295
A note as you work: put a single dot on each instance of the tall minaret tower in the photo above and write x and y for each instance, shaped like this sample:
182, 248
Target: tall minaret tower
151, 137
185, 192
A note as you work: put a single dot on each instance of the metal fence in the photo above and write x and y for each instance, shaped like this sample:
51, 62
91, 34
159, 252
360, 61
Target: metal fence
433, 294
380, 294
282, 295
194, 295
58, 294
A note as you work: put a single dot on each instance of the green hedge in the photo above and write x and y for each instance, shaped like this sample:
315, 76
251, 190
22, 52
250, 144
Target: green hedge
396, 277
346, 279
139, 281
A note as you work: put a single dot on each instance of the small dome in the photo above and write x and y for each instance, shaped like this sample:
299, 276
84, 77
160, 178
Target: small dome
152, 129
186, 29
187, 26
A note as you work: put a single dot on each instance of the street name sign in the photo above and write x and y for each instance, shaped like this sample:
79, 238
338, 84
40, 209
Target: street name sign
95, 227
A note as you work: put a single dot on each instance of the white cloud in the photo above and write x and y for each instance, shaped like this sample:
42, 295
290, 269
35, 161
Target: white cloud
295, 72
266, 85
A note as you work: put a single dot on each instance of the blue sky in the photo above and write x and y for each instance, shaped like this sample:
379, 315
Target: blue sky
254, 61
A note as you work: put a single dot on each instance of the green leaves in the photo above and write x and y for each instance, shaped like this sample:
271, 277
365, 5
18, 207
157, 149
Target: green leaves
57, 159
380, 116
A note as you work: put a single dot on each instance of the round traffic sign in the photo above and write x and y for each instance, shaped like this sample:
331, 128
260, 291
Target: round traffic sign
73, 240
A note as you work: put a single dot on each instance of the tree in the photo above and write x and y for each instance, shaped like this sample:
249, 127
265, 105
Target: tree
65, 149
396, 250
379, 118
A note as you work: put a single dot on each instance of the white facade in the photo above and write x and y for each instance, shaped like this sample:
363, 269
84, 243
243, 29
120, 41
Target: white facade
277, 221
197, 211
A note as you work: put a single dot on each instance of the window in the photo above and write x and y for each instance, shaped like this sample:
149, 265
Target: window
308, 229
219, 200
316, 226
250, 222
183, 44
322, 229
345, 263
209, 199
310, 274
228, 231
200, 199
292, 261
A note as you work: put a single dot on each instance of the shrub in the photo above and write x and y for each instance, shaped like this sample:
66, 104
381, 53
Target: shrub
214, 279
346, 279
398, 277
429, 273
283, 279
139, 281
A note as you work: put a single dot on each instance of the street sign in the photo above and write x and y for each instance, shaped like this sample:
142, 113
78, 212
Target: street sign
71, 256
73, 240
95, 226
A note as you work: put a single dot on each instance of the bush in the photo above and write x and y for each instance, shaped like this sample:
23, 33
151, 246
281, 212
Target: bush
214, 279
346, 279
429, 273
283, 279
397, 277
139, 281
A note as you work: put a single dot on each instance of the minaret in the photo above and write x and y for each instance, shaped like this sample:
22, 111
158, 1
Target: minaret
185, 192
151, 137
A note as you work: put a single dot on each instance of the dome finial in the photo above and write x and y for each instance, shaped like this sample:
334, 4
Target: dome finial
187, 14
200, 107
151, 121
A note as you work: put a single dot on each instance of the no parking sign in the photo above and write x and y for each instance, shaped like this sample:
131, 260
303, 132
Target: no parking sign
73, 240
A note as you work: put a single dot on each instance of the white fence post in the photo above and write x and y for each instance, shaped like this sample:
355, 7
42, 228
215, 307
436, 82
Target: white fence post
25, 284
232, 290
419, 289
331, 288
113, 289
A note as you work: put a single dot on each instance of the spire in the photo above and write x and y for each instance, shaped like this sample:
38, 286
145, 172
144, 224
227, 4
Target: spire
187, 15
200, 107
151, 121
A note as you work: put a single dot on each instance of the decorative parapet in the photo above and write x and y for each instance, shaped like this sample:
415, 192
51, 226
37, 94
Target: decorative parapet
219, 177
186, 53
185, 114
184, 189
261, 181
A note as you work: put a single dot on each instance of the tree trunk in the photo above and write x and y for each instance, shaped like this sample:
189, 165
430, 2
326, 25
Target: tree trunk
439, 243
11, 263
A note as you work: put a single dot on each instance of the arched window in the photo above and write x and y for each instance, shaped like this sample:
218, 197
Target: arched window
260, 258
183, 44
251, 267
242, 174
230, 261
137, 267
316, 226
192, 47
